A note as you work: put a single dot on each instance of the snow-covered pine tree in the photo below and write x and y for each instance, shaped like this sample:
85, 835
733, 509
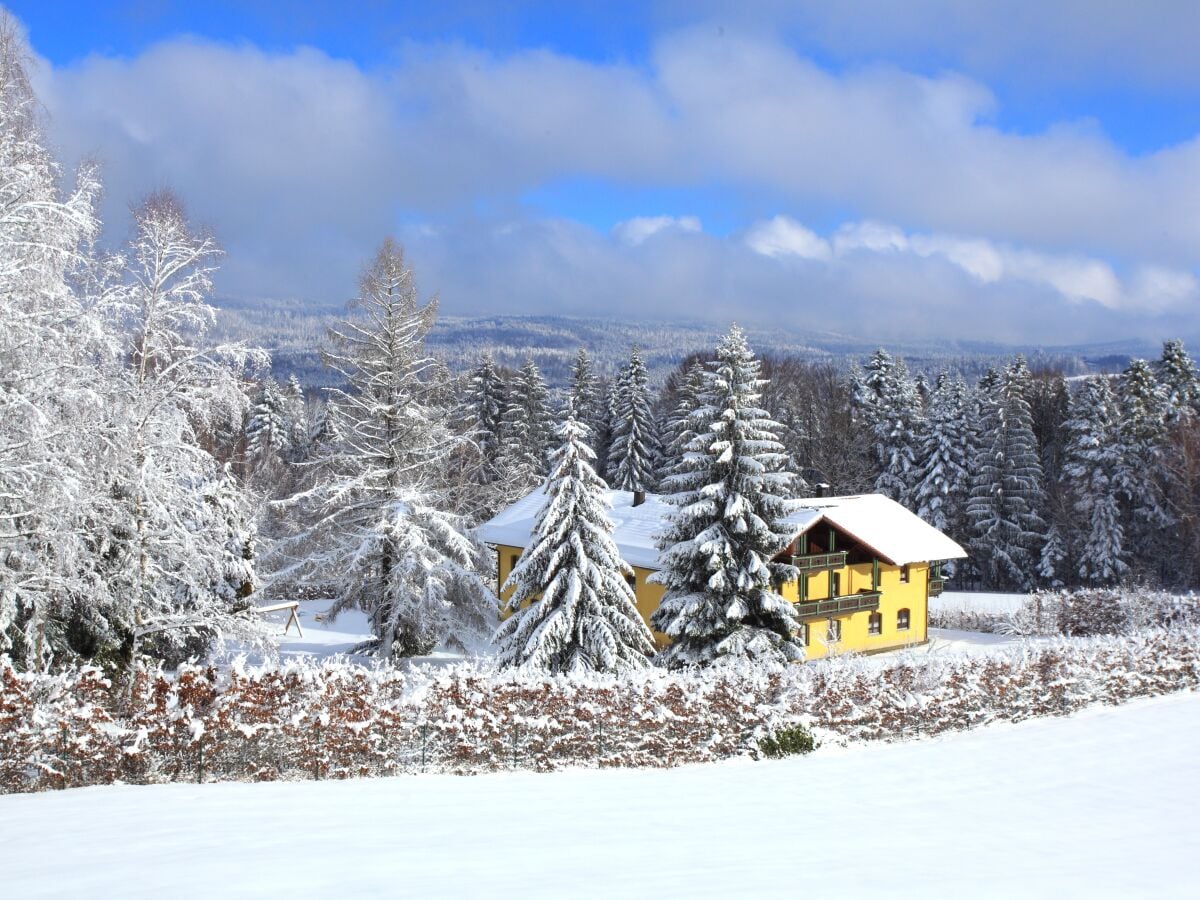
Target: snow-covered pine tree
483, 406
572, 609
298, 424
1006, 484
943, 478
1090, 464
1053, 560
887, 400
634, 449
232, 527
268, 434
1141, 433
730, 504
612, 400
1179, 378
586, 401
374, 528
526, 428
677, 430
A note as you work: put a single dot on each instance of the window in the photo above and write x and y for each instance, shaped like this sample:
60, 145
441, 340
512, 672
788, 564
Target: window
904, 574
902, 620
632, 579
803, 635
512, 561
835, 585
833, 631
875, 623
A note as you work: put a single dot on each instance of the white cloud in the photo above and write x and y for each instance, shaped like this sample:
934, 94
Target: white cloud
784, 236
1075, 278
636, 230
1056, 42
301, 162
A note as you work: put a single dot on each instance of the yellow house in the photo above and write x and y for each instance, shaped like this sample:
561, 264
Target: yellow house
867, 565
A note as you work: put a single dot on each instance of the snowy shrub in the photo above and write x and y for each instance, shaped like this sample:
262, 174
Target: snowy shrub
1097, 611
336, 720
787, 741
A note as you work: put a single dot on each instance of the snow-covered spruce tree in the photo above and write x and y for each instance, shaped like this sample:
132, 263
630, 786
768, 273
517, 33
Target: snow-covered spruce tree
1141, 432
164, 565
526, 428
299, 428
1006, 484
634, 449
51, 339
373, 527
572, 609
887, 401
677, 430
1091, 461
730, 500
1179, 378
586, 401
943, 479
268, 435
483, 406
1053, 559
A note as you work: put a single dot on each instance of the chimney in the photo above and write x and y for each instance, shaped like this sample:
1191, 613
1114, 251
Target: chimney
822, 488
639, 497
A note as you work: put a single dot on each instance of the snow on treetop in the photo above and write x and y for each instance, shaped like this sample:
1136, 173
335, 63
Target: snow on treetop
897, 535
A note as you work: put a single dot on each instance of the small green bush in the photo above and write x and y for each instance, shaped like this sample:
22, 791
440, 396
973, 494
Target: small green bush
787, 741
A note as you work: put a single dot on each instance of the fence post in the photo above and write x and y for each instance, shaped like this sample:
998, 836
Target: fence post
600, 727
199, 763
424, 738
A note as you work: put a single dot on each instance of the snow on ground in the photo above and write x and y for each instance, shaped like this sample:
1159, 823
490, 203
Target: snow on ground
949, 640
325, 638
1097, 805
977, 602
321, 637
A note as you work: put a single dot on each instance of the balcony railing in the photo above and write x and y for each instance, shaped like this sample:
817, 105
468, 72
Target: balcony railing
820, 562
936, 586
836, 606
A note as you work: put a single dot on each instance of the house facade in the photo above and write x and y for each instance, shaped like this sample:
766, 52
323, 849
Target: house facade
867, 566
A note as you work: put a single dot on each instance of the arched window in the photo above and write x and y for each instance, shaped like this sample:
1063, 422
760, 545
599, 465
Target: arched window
902, 620
875, 623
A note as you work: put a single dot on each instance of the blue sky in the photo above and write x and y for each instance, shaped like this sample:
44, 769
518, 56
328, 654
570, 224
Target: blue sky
1017, 170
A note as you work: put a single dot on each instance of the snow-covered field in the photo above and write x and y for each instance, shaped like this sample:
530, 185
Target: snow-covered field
1100, 804
977, 602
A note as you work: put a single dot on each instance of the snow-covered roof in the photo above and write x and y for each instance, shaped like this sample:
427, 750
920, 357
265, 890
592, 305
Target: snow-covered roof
897, 535
885, 526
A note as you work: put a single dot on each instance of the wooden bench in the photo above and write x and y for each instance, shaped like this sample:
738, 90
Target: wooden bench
292, 606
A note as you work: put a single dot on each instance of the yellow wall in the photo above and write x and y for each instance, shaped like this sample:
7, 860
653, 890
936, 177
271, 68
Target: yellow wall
895, 595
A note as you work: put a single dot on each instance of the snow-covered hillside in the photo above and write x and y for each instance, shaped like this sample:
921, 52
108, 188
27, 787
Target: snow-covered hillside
1093, 805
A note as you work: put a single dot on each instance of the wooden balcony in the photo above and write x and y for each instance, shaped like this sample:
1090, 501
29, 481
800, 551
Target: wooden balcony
936, 586
819, 562
838, 606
